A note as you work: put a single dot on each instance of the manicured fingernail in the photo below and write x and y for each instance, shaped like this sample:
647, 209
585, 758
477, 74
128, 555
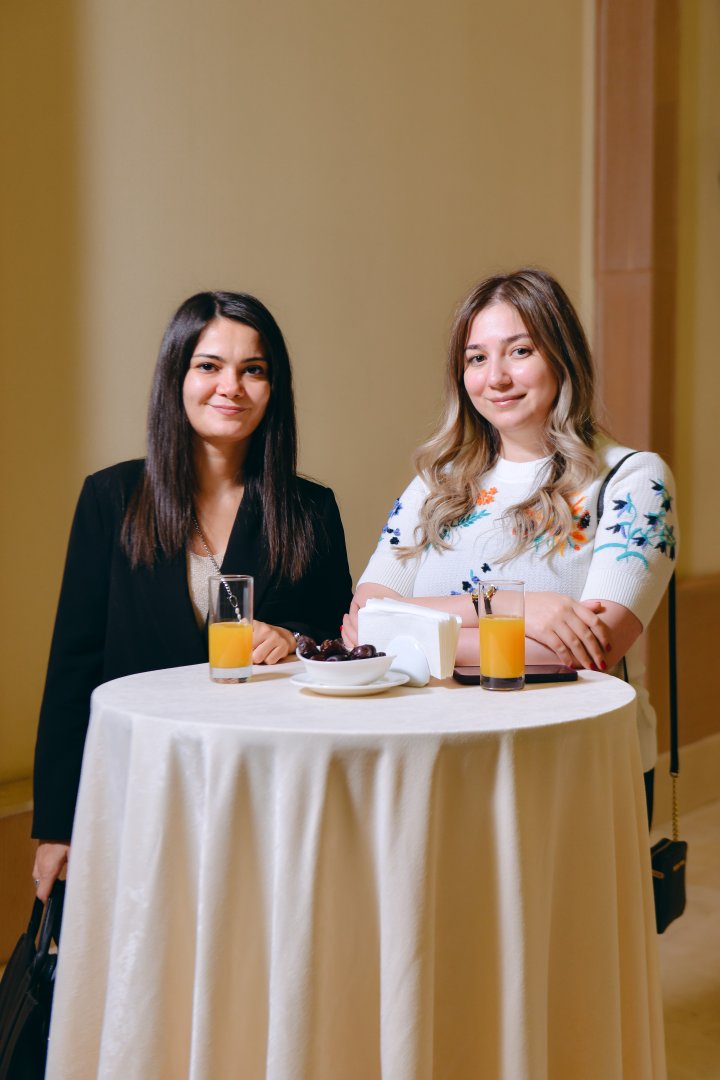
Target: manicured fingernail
593, 667
603, 665
608, 648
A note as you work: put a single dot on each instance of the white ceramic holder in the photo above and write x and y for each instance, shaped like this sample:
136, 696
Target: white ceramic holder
410, 659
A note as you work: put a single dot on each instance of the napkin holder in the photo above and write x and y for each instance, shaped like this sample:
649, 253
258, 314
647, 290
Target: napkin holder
422, 640
409, 659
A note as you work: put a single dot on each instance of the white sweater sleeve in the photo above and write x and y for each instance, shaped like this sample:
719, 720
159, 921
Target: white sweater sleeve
636, 539
385, 568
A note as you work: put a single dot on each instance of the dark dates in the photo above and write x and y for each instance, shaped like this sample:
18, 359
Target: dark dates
333, 650
363, 652
306, 647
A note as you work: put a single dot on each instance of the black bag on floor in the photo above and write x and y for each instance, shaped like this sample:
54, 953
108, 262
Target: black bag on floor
26, 992
668, 859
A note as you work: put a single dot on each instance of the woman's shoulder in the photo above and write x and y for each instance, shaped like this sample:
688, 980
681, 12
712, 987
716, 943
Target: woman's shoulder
121, 472
418, 488
116, 483
312, 490
637, 485
314, 496
637, 529
411, 498
624, 461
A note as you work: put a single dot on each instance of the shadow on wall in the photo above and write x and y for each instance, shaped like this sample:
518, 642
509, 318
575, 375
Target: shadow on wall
40, 371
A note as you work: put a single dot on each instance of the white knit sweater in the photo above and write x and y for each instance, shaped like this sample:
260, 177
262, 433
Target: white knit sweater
627, 558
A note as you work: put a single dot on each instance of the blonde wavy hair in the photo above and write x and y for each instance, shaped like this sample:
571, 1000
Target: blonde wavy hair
465, 445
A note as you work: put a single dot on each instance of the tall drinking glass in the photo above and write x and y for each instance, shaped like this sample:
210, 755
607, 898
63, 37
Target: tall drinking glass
230, 617
501, 610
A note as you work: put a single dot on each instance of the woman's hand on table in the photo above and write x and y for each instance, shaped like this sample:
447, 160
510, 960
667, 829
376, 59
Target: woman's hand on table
271, 643
572, 629
51, 859
623, 626
369, 590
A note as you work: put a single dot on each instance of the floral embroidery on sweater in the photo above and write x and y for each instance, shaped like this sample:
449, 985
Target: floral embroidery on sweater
473, 581
393, 534
486, 496
576, 537
634, 536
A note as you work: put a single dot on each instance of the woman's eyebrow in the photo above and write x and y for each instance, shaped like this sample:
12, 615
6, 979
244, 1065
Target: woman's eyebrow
221, 359
504, 341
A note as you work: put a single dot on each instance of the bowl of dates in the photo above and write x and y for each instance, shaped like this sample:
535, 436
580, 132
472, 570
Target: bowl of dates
332, 664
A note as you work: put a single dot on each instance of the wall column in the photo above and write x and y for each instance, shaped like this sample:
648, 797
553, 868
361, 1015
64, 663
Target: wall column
637, 102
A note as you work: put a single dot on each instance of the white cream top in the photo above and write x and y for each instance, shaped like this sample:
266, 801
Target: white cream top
199, 570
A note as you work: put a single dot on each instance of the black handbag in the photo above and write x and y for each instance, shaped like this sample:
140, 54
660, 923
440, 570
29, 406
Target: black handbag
26, 992
668, 857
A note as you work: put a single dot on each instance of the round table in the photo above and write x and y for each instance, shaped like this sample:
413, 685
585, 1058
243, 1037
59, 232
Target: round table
439, 882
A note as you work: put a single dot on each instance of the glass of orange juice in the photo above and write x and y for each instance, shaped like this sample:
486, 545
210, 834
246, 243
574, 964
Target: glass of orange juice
501, 611
230, 617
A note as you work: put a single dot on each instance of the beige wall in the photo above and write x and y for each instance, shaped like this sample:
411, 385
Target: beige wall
698, 384
42, 366
358, 167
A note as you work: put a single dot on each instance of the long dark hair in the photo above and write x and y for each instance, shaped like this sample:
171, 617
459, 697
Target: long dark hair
159, 516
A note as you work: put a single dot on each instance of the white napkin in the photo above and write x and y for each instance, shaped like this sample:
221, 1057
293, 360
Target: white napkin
436, 632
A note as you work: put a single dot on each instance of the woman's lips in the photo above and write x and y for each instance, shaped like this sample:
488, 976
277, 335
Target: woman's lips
501, 402
228, 410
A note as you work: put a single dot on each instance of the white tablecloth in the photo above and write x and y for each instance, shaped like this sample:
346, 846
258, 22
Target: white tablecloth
438, 882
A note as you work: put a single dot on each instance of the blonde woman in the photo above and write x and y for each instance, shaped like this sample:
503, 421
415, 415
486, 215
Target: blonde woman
508, 485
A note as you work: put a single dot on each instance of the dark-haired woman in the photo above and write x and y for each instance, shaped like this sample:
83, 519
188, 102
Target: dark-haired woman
508, 485
218, 488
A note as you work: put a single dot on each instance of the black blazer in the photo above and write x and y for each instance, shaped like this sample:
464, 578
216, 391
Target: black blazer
113, 620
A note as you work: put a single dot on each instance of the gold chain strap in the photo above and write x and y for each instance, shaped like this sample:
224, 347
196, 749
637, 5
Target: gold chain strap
235, 603
674, 806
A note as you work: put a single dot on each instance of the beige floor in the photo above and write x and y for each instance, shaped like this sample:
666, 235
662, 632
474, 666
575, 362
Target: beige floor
690, 954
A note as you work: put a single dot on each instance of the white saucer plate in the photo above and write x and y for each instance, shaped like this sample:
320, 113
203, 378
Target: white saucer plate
393, 678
